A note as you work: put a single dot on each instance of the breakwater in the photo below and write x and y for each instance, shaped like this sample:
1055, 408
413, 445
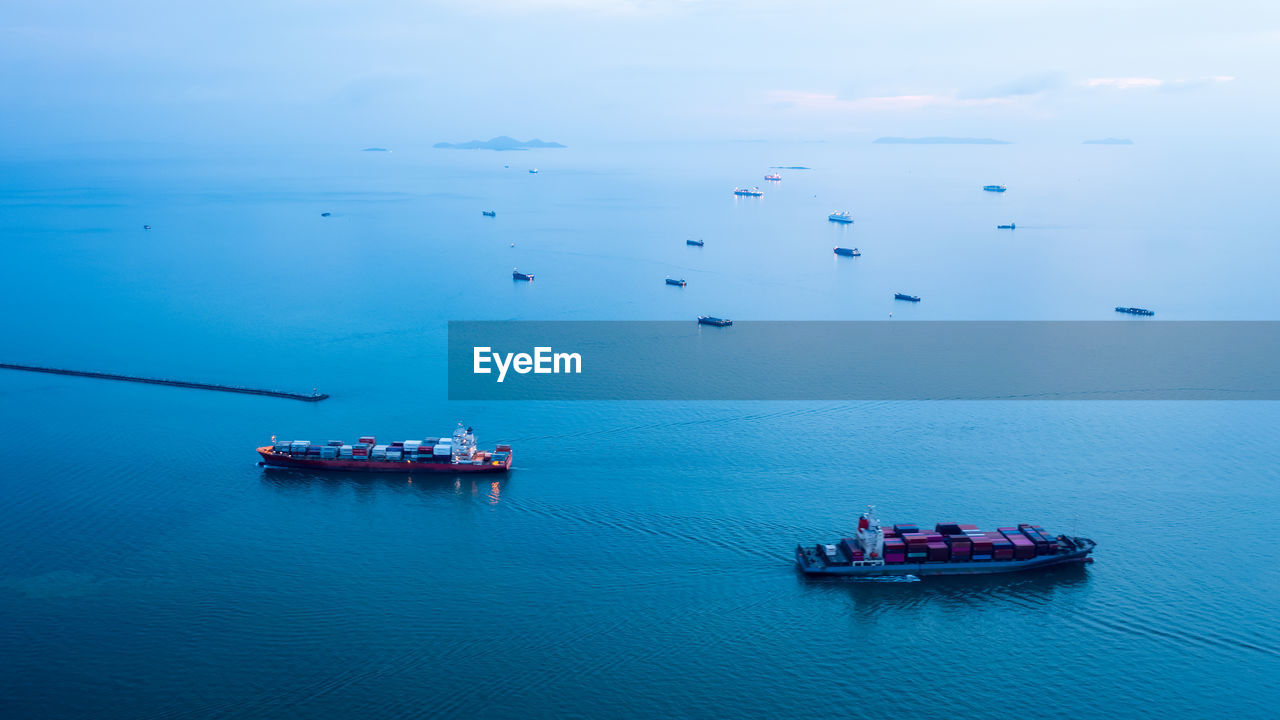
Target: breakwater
305, 397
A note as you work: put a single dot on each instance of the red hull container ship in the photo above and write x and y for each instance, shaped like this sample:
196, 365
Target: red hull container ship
457, 454
950, 549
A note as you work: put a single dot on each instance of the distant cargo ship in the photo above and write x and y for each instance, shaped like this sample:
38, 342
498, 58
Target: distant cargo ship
673, 281
1010, 226
1135, 311
695, 243
773, 176
709, 320
994, 188
848, 252
457, 454
750, 192
908, 298
517, 275
489, 213
841, 216
950, 549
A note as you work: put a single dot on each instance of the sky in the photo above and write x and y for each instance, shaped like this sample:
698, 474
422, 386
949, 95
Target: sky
385, 72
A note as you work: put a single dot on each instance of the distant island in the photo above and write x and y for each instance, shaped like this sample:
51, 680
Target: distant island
788, 167
376, 150
1109, 141
502, 142
939, 141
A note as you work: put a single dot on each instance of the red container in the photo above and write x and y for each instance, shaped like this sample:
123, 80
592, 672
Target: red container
369, 439
1003, 554
503, 448
967, 528
939, 552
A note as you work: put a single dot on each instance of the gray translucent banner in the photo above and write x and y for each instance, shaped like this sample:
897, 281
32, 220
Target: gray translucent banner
1128, 359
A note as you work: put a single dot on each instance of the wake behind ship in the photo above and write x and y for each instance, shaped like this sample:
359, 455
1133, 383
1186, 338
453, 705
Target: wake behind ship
457, 454
951, 549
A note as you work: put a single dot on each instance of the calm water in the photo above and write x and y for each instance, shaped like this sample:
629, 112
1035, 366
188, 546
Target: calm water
637, 561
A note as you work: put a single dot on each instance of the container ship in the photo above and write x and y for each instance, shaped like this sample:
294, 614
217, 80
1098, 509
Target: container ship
748, 192
950, 549
457, 454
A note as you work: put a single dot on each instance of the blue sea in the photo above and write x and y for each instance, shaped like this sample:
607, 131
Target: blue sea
637, 561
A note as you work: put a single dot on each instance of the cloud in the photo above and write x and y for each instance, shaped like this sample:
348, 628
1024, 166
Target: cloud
1123, 83
1026, 85
1192, 83
1137, 83
830, 102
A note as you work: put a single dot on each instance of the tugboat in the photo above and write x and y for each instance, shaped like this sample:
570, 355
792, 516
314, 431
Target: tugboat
1135, 311
774, 176
848, 252
489, 213
908, 298
717, 322
951, 549
841, 216
673, 281
695, 243
994, 188
517, 275
749, 192
1010, 226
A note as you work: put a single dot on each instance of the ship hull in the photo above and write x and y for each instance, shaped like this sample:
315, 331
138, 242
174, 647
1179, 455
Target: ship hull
975, 567
274, 460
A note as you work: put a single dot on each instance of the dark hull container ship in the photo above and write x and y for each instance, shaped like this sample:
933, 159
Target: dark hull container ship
457, 454
950, 549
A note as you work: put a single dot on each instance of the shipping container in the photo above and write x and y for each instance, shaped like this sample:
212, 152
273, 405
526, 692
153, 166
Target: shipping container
368, 440
894, 557
947, 528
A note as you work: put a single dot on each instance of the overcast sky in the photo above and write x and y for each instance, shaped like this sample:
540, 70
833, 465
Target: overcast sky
394, 71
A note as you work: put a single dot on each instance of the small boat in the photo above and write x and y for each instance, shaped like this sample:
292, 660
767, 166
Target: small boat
516, 274
489, 213
718, 322
994, 188
749, 192
695, 243
673, 281
146, 227
533, 171
1135, 311
841, 216
848, 252
773, 176
1010, 226
908, 298
325, 214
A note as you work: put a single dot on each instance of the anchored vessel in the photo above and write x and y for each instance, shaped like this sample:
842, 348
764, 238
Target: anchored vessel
457, 454
951, 549
673, 281
1135, 311
695, 243
1010, 226
841, 216
752, 192
489, 213
908, 298
851, 252
718, 322
517, 275
773, 176
994, 188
